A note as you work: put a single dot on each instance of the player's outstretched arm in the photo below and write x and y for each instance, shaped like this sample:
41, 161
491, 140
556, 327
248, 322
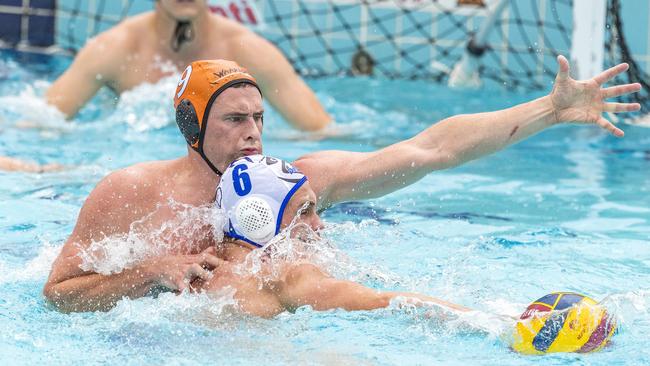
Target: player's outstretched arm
341, 176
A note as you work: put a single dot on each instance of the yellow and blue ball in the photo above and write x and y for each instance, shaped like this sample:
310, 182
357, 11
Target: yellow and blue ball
563, 322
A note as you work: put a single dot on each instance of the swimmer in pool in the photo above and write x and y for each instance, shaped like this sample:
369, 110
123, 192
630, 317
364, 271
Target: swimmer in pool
180, 32
261, 195
220, 113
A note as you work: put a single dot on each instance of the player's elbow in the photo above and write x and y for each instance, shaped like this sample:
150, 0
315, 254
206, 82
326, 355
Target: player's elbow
60, 298
302, 276
53, 296
317, 123
429, 156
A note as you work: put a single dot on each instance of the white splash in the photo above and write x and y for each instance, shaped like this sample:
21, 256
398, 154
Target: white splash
35, 270
178, 235
148, 106
297, 243
206, 309
33, 110
629, 307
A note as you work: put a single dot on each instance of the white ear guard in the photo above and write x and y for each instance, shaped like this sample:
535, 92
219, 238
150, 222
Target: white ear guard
254, 191
256, 219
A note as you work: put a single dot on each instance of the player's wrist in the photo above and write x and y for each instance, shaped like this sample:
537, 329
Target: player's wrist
551, 111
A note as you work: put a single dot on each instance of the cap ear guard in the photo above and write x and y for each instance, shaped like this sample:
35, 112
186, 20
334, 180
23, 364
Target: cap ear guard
188, 122
255, 219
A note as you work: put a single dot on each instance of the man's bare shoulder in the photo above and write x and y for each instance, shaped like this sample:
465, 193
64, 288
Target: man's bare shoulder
228, 28
139, 180
130, 191
120, 198
235, 35
120, 40
314, 166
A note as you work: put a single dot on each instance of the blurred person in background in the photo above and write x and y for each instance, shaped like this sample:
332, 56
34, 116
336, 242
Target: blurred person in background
176, 32
179, 32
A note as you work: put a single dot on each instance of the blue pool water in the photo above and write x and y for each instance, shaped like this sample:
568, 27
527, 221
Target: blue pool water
566, 210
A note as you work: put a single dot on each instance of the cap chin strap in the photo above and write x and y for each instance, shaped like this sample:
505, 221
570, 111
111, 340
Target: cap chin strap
183, 33
207, 161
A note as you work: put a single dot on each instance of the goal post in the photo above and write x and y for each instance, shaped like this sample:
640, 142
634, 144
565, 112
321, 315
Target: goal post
589, 24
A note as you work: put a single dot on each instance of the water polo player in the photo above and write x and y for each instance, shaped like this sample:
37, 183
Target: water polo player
260, 196
222, 122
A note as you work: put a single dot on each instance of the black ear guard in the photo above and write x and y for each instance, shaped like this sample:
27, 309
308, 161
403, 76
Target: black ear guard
188, 122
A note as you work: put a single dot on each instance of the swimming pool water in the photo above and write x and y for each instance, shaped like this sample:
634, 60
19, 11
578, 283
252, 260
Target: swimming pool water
567, 210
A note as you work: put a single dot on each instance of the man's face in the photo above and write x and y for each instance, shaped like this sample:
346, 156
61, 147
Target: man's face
184, 10
303, 205
234, 127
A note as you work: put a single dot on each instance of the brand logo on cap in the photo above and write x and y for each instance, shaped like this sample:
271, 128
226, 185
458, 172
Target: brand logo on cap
226, 72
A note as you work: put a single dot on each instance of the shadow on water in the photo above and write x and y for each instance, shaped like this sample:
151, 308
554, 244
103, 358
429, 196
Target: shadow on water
357, 211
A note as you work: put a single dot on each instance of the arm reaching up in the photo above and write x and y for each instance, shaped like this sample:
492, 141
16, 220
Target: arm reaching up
462, 138
91, 69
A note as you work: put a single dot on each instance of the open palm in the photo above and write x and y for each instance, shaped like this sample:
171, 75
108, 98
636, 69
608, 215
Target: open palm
584, 100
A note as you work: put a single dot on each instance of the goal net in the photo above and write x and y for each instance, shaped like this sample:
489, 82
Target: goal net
410, 39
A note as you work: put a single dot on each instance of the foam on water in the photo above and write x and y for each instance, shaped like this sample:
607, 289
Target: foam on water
148, 106
30, 105
34, 270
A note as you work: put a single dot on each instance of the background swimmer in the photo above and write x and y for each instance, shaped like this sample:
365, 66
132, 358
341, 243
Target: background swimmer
18, 165
180, 32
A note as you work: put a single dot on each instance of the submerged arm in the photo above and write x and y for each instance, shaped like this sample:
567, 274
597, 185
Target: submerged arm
305, 284
72, 290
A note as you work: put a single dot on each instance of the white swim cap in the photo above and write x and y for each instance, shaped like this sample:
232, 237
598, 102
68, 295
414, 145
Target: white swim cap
254, 191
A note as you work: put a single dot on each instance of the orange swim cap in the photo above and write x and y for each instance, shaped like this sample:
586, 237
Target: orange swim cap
200, 84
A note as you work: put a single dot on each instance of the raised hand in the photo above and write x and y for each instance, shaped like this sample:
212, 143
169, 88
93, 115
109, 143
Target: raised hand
583, 101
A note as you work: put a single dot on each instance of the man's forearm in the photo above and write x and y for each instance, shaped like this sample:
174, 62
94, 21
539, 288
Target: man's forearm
448, 143
96, 292
423, 299
307, 285
462, 138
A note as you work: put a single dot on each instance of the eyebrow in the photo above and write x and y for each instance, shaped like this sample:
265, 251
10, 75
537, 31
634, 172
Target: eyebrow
239, 114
